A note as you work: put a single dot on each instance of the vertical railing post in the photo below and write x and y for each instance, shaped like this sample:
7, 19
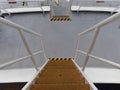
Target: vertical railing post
28, 49
78, 10
43, 49
91, 47
77, 47
69, 7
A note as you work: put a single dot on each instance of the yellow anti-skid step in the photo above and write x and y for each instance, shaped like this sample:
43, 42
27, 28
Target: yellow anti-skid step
60, 67
61, 62
60, 18
60, 87
57, 72
60, 71
60, 58
59, 75
60, 80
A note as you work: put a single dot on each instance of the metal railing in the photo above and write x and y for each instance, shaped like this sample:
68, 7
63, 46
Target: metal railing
31, 55
96, 29
116, 9
23, 3
100, 3
6, 12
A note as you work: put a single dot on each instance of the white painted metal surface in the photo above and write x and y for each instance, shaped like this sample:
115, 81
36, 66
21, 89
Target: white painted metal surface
93, 8
116, 65
31, 81
18, 60
92, 86
47, 9
96, 75
96, 32
16, 75
18, 27
103, 75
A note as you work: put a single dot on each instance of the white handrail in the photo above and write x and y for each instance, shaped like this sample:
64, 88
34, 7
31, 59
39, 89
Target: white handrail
115, 10
42, 10
7, 12
96, 28
116, 65
78, 9
101, 24
93, 87
18, 27
28, 48
91, 47
27, 86
18, 60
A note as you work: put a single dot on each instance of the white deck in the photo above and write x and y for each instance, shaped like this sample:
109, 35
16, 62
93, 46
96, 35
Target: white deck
47, 8
96, 75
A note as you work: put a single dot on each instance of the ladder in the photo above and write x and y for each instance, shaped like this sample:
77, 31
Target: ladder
60, 10
60, 74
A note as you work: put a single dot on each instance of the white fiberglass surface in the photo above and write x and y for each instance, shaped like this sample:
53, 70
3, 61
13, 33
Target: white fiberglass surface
96, 75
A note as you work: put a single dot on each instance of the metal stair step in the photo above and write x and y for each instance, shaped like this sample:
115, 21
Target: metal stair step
62, 72
60, 79
60, 87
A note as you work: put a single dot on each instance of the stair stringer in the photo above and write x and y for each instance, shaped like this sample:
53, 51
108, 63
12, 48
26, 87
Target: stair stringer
87, 80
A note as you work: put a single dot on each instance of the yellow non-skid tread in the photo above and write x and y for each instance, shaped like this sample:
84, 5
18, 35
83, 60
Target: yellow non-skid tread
60, 18
60, 87
60, 63
63, 71
64, 59
55, 63
60, 74
60, 67
54, 80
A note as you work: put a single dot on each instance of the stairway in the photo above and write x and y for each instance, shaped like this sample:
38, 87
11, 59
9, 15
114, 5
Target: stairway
60, 74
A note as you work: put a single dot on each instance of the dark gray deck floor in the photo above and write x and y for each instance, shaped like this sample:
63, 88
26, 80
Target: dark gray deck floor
60, 38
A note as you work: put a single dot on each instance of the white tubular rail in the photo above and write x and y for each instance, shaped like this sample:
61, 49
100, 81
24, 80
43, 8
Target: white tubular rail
116, 65
20, 28
42, 10
27, 86
102, 23
86, 78
96, 28
91, 47
18, 60
7, 12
